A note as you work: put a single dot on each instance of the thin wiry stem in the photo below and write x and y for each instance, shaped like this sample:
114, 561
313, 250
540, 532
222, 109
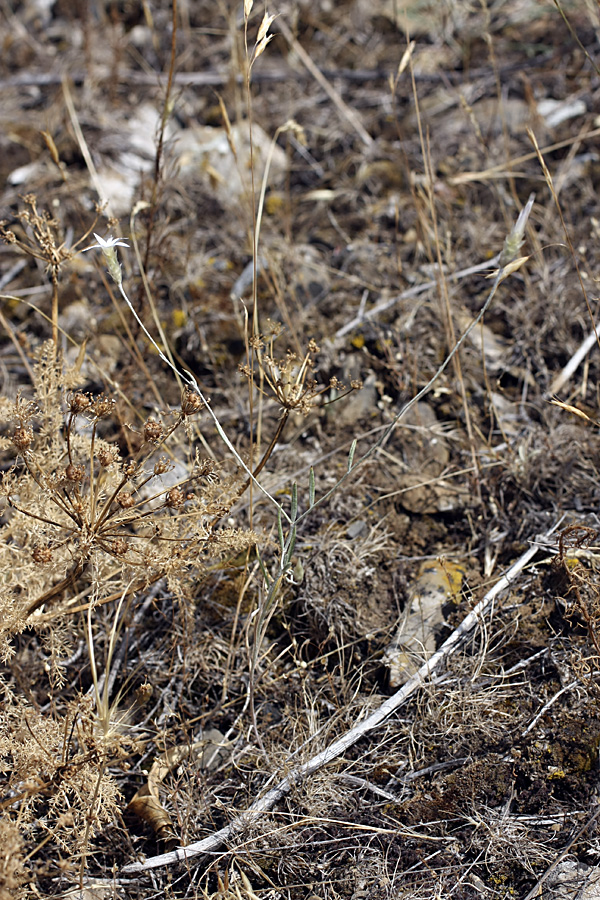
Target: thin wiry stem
33, 515
191, 381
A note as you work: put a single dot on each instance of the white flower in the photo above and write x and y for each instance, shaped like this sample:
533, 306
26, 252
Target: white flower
107, 245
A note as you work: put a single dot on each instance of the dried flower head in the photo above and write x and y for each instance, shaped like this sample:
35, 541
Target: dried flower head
9, 237
207, 469
74, 473
22, 437
125, 500
289, 376
153, 431
102, 406
41, 240
107, 455
191, 402
143, 693
42, 554
163, 465
175, 498
79, 402
119, 547
129, 468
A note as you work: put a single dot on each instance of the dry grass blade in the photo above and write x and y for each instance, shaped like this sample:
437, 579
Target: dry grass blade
344, 110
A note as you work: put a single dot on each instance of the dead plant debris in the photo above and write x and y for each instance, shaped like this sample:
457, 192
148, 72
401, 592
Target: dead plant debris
260, 488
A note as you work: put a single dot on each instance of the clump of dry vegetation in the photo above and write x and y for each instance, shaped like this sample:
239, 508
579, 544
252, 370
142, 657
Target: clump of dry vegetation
79, 504
265, 427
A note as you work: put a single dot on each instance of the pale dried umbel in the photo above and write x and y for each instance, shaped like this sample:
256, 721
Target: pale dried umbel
77, 503
40, 238
289, 378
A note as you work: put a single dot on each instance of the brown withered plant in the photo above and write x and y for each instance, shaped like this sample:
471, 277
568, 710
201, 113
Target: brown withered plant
39, 238
76, 505
289, 380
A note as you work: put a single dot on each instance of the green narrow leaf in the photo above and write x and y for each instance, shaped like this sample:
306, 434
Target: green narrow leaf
292, 543
311, 488
351, 454
294, 509
280, 531
263, 569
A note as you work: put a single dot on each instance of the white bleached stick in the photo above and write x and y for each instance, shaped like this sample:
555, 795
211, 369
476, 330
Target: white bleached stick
267, 801
571, 367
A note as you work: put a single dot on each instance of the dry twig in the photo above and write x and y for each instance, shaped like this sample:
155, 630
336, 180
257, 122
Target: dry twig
268, 801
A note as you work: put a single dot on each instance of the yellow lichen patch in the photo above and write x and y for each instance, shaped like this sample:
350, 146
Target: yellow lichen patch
179, 318
274, 203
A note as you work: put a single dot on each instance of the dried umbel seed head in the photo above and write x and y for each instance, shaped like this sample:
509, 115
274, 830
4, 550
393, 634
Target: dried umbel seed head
175, 498
102, 406
153, 431
74, 473
163, 465
143, 693
119, 547
79, 402
129, 468
78, 507
191, 402
42, 555
206, 468
274, 328
107, 456
125, 500
22, 438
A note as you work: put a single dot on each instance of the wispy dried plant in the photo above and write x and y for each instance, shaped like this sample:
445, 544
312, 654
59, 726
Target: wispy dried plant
79, 505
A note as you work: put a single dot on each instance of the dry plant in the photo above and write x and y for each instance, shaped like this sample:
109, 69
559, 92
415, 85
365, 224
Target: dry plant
96, 511
108, 511
84, 527
79, 504
40, 240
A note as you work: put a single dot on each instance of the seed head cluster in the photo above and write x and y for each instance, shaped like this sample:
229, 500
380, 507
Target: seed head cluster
290, 378
79, 499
